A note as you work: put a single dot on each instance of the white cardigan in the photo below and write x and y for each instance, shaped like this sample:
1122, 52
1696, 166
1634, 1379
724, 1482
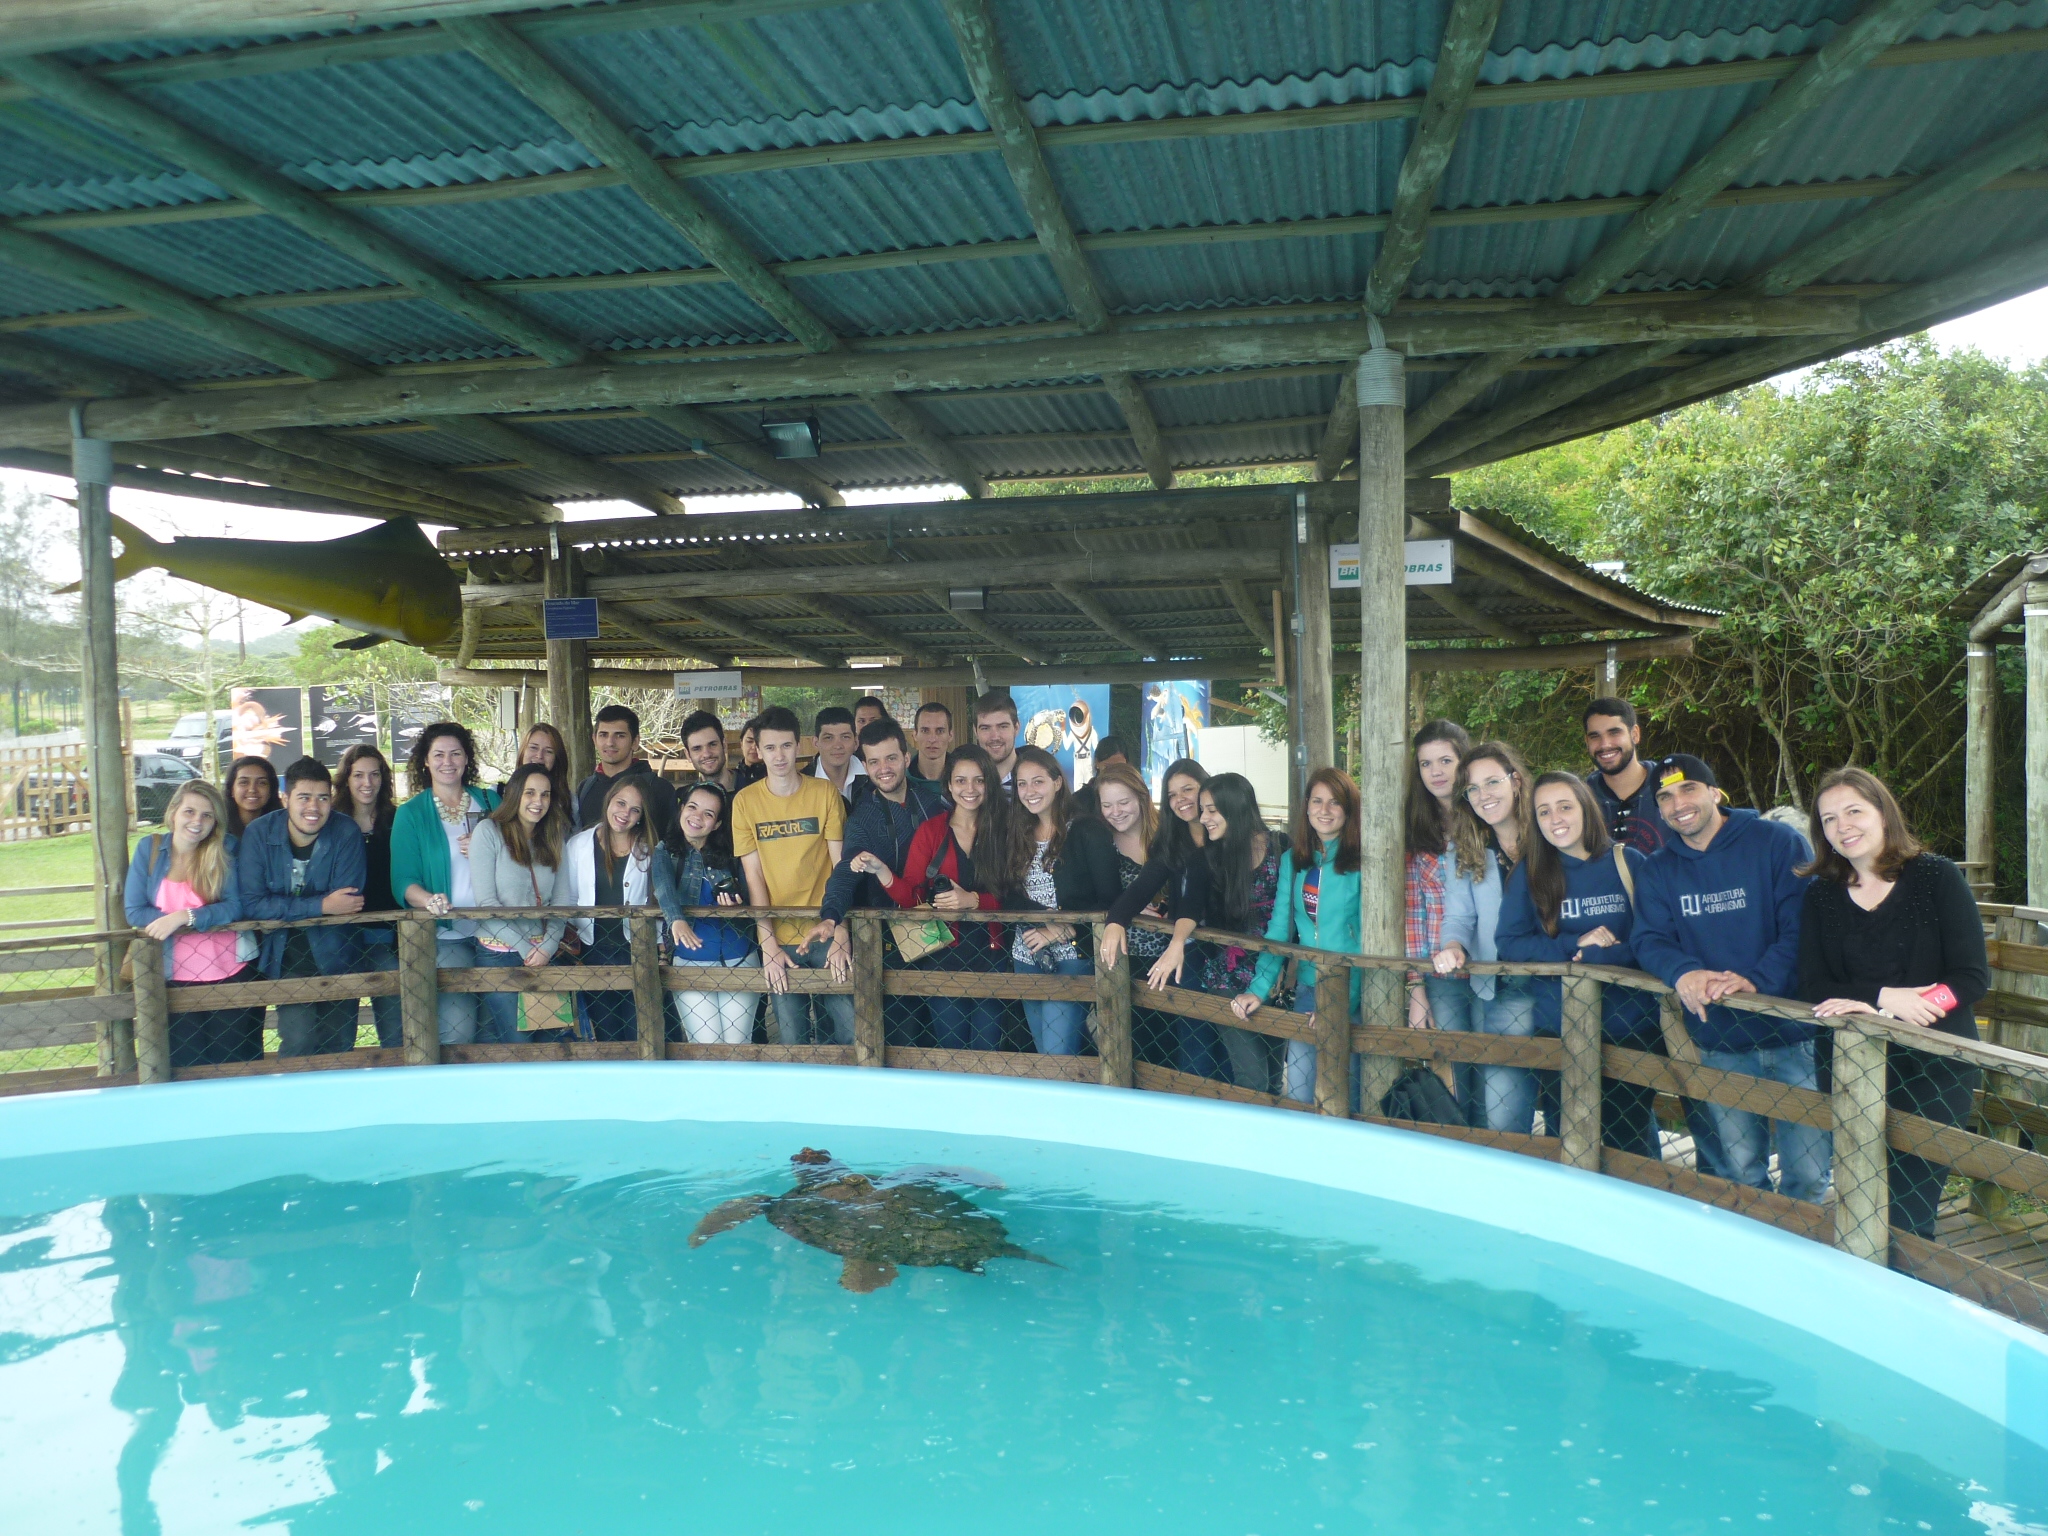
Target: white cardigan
579, 863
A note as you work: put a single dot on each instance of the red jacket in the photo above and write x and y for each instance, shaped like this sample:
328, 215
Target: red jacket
931, 841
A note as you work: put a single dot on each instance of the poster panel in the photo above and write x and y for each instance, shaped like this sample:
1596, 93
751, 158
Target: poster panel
1176, 713
268, 723
343, 716
1066, 719
413, 707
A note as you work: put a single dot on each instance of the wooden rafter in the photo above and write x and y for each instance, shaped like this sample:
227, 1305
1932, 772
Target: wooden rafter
489, 435
1096, 612
996, 636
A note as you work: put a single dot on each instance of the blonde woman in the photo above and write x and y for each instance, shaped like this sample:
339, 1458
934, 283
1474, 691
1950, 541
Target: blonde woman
182, 890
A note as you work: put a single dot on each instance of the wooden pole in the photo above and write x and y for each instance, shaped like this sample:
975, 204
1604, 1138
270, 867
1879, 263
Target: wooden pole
569, 668
1579, 1082
1980, 743
419, 990
1113, 1019
1315, 665
1862, 1158
870, 1043
152, 1012
650, 1000
1333, 1041
2036, 615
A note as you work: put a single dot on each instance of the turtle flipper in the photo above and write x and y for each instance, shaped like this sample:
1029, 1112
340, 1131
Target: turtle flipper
1012, 1251
864, 1275
727, 1216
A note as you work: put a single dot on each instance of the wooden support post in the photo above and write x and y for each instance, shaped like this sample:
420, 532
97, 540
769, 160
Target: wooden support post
1987, 1198
152, 1012
1113, 1018
1333, 1040
1383, 649
1579, 1082
870, 1044
650, 999
1862, 1157
419, 990
1980, 745
106, 774
2036, 614
1311, 535
569, 666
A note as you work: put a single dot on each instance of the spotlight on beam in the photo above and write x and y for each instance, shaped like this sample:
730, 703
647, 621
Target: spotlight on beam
797, 439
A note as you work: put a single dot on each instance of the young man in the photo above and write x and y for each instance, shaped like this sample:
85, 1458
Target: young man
836, 762
933, 728
787, 831
878, 833
1110, 749
1717, 913
995, 731
615, 737
866, 711
704, 742
1620, 779
303, 861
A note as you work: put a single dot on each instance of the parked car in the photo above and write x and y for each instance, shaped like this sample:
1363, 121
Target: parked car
188, 737
157, 777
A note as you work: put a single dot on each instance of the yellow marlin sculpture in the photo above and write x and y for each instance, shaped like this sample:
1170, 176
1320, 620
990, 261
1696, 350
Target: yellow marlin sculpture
388, 581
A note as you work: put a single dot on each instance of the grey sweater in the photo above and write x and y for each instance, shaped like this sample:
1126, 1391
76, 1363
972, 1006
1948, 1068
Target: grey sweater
500, 882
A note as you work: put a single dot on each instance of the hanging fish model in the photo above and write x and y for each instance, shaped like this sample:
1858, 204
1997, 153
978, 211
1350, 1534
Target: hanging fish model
388, 581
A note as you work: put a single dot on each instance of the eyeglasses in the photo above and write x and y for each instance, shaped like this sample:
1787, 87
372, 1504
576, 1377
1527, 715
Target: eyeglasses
1485, 786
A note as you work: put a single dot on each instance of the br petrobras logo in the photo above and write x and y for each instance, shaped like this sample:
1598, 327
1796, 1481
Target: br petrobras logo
1689, 905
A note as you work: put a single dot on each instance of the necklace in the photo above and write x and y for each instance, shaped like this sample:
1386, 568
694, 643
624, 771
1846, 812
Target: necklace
460, 813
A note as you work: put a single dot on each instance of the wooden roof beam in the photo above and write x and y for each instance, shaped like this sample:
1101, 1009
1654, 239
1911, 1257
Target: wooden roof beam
75, 370
890, 641
238, 492
1130, 399
491, 436
1092, 608
504, 504
623, 619
720, 440
231, 456
1841, 59
170, 140
1473, 616
1000, 638
1248, 612
913, 423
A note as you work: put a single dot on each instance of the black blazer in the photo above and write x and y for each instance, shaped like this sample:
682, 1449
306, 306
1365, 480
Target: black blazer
1086, 876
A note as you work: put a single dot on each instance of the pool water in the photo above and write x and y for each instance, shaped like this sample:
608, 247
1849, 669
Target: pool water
505, 1327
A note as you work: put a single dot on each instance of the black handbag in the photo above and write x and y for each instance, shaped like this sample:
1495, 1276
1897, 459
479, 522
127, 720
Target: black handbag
1420, 1095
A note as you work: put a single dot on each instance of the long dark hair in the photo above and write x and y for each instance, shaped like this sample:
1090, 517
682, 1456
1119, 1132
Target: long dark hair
235, 824
544, 847
387, 792
1173, 844
643, 835
1061, 810
1426, 825
996, 869
1546, 862
1900, 844
1230, 861
416, 774
718, 854
1340, 784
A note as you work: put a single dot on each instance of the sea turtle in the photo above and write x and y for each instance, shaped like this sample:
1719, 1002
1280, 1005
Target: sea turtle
875, 1225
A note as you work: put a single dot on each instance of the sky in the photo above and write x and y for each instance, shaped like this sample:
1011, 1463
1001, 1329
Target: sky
2016, 331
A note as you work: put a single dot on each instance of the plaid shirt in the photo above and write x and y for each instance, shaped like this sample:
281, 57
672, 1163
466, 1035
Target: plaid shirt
1423, 923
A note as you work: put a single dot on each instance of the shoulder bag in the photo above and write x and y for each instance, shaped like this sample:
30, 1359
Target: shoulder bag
917, 937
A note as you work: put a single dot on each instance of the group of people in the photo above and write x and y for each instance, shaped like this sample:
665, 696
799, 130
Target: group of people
1638, 863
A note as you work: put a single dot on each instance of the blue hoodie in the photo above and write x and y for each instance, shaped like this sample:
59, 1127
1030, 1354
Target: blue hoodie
1733, 907
1594, 897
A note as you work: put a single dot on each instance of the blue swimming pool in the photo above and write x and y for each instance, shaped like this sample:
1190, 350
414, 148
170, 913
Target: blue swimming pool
469, 1298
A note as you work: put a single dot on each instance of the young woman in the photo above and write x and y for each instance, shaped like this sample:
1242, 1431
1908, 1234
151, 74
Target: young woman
1174, 883
1491, 830
515, 860
543, 744
751, 767
1317, 906
611, 865
1573, 898
965, 860
1426, 838
430, 857
1069, 865
363, 793
695, 867
251, 792
1890, 928
1133, 821
181, 889
1244, 883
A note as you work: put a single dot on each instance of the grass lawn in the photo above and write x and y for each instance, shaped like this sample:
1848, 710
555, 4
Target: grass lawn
47, 861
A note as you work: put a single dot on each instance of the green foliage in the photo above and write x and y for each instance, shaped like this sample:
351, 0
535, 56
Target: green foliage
317, 661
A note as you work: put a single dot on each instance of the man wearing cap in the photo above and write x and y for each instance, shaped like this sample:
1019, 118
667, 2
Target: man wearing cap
1621, 779
1717, 913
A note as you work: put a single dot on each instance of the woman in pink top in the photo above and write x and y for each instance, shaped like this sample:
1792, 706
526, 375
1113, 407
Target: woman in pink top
181, 889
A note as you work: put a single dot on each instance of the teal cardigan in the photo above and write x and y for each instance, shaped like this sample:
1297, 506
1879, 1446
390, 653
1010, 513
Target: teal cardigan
1334, 927
419, 848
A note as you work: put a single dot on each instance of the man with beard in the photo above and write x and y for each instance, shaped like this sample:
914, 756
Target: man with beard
1620, 781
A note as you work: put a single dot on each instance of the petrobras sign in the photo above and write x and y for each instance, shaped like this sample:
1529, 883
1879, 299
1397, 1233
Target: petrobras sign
708, 685
1428, 563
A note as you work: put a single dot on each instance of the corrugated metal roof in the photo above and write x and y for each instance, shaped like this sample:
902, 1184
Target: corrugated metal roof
889, 71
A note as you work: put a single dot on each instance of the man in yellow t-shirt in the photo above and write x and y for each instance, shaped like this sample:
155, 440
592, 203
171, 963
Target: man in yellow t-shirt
786, 832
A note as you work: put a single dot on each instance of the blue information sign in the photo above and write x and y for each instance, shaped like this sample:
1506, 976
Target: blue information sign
569, 618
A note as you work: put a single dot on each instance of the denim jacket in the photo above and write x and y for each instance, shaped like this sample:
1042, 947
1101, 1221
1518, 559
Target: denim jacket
146, 871
680, 883
1472, 913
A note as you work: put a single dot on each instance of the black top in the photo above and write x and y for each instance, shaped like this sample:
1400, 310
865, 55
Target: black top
1186, 888
1925, 932
1635, 822
1086, 876
377, 868
610, 889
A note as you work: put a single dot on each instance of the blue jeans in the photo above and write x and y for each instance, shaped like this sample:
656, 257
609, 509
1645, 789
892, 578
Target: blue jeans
1057, 1029
455, 1012
1454, 1006
1508, 1094
380, 953
1805, 1155
793, 1009
1298, 1072
497, 1012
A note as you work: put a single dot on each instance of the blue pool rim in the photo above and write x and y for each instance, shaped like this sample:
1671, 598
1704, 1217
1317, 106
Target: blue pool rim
1985, 1362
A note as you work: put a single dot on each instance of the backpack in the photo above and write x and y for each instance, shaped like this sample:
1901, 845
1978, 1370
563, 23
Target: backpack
1419, 1094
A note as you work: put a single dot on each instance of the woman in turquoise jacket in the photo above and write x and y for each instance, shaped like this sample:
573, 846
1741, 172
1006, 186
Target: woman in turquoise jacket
1317, 907
430, 857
